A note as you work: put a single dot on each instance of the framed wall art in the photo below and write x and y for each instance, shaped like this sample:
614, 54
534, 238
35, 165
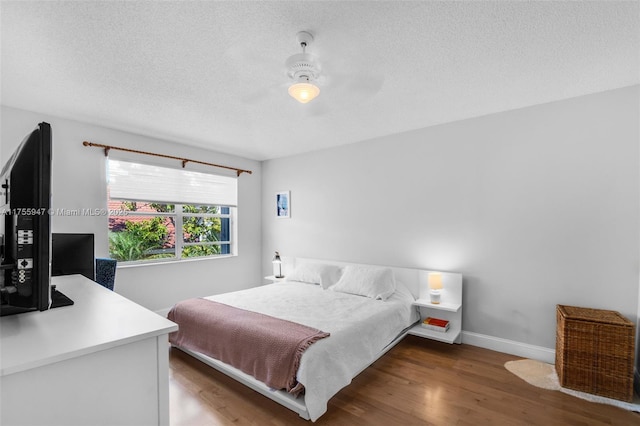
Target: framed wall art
283, 204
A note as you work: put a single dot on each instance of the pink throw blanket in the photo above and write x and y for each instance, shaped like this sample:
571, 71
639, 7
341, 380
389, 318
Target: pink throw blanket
265, 347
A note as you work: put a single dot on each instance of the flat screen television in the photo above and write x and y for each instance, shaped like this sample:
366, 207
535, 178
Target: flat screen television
73, 254
25, 200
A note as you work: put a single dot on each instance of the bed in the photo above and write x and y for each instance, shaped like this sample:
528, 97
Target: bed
364, 309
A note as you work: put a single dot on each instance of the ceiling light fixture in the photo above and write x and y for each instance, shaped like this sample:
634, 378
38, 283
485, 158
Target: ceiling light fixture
303, 68
303, 91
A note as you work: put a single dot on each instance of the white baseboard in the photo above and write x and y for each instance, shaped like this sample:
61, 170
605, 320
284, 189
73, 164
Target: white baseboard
510, 347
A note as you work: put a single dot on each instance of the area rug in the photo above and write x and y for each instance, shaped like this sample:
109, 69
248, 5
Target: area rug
543, 375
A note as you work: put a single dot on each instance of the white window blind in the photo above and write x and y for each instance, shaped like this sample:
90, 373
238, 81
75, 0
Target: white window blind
143, 182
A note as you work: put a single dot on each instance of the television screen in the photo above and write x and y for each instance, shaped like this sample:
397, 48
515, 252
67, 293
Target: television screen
72, 254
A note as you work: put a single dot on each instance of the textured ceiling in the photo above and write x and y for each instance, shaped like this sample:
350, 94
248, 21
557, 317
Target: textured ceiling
211, 74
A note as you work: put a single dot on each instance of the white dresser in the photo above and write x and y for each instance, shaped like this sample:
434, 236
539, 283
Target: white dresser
103, 360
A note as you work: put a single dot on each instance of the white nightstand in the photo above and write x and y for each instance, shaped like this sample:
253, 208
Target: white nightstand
449, 308
273, 278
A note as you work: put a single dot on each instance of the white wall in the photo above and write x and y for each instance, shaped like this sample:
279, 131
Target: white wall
536, 207
79, 181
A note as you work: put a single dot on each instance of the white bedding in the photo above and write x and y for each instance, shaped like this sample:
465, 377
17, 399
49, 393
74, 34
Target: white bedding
360, 329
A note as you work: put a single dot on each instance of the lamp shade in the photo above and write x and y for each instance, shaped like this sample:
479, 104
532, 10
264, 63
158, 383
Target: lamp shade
304, 91
435, 281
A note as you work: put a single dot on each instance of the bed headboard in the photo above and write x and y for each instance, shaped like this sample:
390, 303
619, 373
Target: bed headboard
414, 279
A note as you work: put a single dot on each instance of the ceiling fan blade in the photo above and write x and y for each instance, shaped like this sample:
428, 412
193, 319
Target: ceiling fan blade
353, 87
370, 84
262, 94
316, 108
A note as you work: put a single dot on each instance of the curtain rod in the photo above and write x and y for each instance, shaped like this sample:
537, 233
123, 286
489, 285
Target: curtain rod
184, 161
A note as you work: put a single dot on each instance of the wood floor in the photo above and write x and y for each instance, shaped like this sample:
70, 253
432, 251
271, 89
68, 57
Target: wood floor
419, 382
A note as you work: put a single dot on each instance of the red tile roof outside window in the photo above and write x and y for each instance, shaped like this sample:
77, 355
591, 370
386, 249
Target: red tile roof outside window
117, 223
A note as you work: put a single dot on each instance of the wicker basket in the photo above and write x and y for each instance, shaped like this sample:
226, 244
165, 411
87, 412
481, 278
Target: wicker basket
595, 351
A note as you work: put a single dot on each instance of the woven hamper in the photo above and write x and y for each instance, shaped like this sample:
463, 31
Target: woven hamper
595, 351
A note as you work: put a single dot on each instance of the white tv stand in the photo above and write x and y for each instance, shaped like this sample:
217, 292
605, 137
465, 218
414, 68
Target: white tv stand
103, 360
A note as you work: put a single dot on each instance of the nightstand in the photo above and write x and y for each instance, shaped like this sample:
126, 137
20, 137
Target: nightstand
449, 308
273, 278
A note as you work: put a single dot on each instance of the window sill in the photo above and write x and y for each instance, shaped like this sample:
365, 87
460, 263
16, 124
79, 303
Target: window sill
126, 265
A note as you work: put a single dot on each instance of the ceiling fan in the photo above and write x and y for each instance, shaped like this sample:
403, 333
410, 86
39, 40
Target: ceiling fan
344, 79
303, 69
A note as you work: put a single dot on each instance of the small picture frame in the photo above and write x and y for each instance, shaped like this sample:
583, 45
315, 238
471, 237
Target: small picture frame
283, 204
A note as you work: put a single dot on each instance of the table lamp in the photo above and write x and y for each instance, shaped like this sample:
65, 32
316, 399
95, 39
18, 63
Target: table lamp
435, 286
277, 266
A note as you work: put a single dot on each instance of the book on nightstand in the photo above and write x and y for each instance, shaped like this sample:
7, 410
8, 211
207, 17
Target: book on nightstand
436, 324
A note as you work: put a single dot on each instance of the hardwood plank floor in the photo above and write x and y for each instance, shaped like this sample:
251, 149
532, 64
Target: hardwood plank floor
419, 382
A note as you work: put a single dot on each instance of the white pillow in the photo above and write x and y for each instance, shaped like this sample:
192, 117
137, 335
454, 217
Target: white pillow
402, 293
373, 282
316, 273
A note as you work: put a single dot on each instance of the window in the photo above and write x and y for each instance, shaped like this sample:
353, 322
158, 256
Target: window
158, 213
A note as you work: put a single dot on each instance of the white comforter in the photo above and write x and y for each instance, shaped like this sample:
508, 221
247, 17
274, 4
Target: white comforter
360, 328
